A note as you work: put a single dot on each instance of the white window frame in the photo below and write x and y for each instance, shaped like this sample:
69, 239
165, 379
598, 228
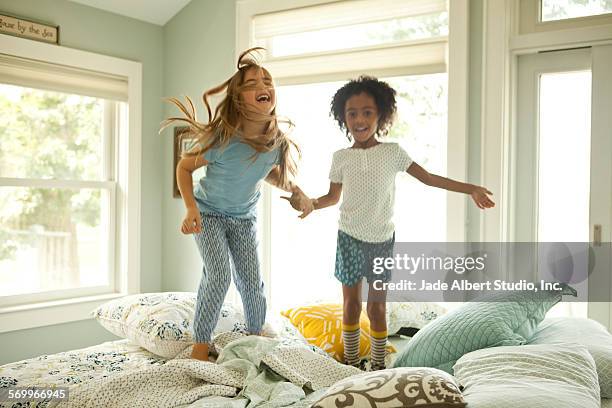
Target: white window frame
457, 68
503, 42
125, 190
529, 15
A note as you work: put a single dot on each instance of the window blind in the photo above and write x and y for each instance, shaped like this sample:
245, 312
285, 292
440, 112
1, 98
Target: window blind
340, 13
43, 75
401, 57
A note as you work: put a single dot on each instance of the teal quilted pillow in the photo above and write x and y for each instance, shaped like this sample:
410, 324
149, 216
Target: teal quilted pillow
508, 321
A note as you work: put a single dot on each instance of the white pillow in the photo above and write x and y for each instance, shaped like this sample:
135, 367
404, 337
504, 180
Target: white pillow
591, 334
163, 322
411, 315
555, 376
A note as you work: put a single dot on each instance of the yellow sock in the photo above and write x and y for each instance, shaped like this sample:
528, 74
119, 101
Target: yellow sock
350, 338
379, 344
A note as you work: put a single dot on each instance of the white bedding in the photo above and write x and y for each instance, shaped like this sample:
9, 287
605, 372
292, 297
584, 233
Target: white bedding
119, 373
105, 361
539, 376
256, 369
100, 363
68, 369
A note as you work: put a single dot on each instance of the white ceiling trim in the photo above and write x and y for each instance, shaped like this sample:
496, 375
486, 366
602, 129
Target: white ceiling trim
152, 11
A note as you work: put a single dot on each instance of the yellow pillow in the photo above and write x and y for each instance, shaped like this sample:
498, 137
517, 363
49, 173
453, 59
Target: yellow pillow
321, 325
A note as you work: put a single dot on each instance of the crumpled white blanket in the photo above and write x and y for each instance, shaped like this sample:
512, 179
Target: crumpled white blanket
256, 369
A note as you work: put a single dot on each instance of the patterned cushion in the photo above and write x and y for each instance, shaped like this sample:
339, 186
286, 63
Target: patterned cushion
586, 332
508, 319
534, 376
321, 325
397, 387
413, 315
162, 322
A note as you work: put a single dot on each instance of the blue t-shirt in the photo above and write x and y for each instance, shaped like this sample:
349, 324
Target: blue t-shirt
233, 179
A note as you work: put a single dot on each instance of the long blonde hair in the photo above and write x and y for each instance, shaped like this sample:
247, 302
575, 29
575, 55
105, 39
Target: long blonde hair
230, 113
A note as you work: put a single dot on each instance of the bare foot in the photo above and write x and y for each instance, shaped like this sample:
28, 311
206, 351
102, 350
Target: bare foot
270, 333
200, 351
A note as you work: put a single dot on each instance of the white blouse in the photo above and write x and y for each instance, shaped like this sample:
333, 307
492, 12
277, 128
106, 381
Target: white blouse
368, 189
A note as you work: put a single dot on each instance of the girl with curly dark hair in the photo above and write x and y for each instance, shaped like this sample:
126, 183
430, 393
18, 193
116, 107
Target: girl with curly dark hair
365, 175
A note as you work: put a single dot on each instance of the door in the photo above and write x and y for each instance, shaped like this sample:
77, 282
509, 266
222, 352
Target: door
561, 180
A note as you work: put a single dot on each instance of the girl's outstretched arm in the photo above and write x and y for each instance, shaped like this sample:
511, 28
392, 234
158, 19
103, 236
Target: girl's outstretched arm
329, 199
184, 170
479, 194
298, 199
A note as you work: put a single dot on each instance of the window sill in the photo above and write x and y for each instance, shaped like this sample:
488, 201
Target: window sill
48, 313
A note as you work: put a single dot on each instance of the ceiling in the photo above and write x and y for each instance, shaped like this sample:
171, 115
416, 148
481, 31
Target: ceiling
152, 11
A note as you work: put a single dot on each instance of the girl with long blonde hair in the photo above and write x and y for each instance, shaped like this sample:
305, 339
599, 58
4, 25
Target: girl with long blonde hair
240, 145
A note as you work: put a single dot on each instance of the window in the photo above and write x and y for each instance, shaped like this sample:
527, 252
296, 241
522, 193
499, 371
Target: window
552, 10
341, 39
361, 35
564, 136
589, 17
57, 194
69, 182
311, 52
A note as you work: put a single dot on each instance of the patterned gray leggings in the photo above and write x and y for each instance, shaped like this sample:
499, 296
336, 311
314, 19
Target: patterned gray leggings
228, 246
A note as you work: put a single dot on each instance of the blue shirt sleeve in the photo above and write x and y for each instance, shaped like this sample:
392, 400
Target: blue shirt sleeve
211, 155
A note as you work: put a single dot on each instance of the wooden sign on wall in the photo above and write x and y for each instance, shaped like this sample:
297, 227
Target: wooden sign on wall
29, 29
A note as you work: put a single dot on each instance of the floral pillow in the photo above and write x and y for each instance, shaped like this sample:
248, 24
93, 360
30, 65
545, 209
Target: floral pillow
411, 315
397, 387
163, 322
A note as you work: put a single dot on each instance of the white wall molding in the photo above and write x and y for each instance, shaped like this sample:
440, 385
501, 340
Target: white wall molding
495, 117
562, 39
458, 103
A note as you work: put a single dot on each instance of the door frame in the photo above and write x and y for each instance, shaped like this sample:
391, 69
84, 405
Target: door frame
598, 60
502, 43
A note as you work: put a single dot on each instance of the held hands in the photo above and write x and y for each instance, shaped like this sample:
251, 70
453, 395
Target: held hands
300, 201
480, 197
192, 222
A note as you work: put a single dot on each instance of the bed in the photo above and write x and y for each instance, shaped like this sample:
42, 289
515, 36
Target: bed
110, 363
120, 373
151, 365
68, 369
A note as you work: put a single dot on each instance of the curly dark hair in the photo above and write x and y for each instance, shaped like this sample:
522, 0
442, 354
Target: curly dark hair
383, 95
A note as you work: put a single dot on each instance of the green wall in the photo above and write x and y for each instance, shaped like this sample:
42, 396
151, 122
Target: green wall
90, 29
199, 44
